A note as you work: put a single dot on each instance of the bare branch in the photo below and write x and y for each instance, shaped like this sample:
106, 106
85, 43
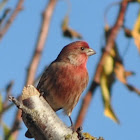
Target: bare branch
107, 10
109, 45
5, 103
47, 14
3, 3
8, 92
11, 19
2, 19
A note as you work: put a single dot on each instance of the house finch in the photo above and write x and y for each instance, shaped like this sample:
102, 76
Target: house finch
65, 79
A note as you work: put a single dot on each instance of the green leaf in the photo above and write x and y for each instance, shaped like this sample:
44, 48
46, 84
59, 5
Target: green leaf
105, 86
7, 130
106, 81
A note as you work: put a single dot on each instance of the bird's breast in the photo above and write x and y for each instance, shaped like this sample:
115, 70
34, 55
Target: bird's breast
64, 85
70, 83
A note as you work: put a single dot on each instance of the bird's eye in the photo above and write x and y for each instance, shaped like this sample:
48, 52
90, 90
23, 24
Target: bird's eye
82, 48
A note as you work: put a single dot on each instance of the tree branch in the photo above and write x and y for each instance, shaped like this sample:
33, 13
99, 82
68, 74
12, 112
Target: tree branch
11, 19
96, 80
41, 120
47, 14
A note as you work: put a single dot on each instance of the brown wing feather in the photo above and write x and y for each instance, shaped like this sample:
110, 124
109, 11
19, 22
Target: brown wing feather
62, 85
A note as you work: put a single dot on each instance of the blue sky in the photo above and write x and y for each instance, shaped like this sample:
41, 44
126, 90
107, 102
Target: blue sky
87, 17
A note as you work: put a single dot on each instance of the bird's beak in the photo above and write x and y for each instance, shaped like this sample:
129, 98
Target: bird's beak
90, 52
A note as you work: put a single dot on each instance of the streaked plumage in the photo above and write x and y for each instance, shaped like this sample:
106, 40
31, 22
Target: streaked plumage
65, 79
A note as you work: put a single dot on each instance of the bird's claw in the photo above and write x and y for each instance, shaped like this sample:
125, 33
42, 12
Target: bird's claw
79, 132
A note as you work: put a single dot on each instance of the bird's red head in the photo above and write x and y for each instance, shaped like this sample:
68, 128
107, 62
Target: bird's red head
76, 53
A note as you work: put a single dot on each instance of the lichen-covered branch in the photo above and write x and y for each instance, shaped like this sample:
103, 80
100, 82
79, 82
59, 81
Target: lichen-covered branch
41, 120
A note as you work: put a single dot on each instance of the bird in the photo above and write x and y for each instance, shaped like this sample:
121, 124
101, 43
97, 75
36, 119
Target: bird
64, 80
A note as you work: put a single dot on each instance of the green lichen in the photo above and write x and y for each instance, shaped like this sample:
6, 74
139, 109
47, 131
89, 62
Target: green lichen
68, 137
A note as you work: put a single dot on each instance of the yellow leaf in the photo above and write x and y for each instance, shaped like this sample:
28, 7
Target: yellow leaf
128, 73
109, 65
65, 23
67, 31
106, 81
136, 32
105, 88
121, 73
107, 28
110, 113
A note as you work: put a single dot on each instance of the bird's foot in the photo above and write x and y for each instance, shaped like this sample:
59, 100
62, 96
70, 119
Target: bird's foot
79, 132
41, 94
72, 128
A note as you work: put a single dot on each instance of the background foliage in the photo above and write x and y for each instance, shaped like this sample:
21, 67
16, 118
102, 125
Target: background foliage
117, 95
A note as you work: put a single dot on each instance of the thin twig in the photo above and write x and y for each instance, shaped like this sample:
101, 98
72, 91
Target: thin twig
47, 14
4, 16
9, 88
40, 42
11, 19
132, 88
5, 103
107, 10
2, 4
109, 45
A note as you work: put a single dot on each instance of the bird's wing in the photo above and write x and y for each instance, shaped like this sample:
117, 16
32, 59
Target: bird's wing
46, 77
